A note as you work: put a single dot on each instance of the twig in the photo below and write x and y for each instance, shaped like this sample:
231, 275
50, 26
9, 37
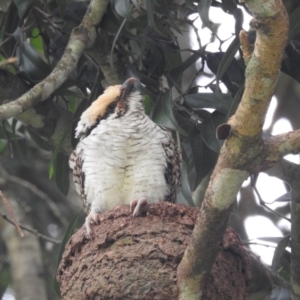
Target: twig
56, 212
263, 204
80, 37
12, 215
8, 61
259, 244
8, 140
31, 230
191, 23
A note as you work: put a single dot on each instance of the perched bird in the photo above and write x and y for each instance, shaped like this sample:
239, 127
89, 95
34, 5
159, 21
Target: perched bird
122, 157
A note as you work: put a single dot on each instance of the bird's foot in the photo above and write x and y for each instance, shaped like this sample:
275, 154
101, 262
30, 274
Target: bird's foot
92, 218
136, 206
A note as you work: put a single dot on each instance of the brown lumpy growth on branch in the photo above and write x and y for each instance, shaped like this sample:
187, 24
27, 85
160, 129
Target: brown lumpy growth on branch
137, 258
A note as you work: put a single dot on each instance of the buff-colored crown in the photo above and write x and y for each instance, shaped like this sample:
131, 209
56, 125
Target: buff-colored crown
97, 110
99, 106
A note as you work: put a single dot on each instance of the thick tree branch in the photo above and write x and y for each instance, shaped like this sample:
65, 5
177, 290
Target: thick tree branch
80, 38
270, 21
242, 146
280, 145
273, 149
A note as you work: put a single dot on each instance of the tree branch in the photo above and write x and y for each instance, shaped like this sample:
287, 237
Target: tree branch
243, 145
31, 230
80, 38
280, 145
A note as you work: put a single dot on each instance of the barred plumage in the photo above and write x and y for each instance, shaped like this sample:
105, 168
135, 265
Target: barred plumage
123, 157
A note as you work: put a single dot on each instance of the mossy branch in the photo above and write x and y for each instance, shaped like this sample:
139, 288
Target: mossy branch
244, 144
81, 37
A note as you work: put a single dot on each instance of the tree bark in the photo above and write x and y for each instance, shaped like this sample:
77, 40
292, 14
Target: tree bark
243, 145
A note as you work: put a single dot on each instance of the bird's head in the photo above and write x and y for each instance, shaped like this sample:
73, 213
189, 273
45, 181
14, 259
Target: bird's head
117, 98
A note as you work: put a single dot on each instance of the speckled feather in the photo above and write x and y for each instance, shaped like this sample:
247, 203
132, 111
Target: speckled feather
123, 154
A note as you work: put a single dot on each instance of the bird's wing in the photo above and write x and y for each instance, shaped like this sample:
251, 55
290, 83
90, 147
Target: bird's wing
75, 163
172, 171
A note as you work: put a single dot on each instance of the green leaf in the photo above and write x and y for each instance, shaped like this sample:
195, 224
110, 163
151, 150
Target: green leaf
29, 60
227, 58
22, 6
176, 72
209, 135
197, 151
239, 20
36, 40
56, 151
38, 140
220, 102
61, 172
62, 6
163, 115
151, 20
279, 252
287, 197
185, 189
294, 27
236, 101
4, 5
123, 8
110, 21
203, 10
209, 159
10, 25
111, 61
69, 232
173, 59
4, 277
229, 6
148, 104
271, 239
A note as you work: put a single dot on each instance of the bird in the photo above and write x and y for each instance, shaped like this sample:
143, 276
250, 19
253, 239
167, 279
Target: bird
122, 157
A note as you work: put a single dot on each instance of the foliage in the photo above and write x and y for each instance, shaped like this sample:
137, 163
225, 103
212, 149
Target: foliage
145, 35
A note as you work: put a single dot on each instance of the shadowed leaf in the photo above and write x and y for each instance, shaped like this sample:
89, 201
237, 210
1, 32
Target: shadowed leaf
186, 190
203, 10
163, 115
220, 102
279, 252
22, 6
294, 28
61, 172
284, 198
227, 58
69, 232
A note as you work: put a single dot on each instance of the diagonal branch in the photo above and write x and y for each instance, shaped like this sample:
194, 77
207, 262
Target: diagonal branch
280, 145
243, 145
80, 38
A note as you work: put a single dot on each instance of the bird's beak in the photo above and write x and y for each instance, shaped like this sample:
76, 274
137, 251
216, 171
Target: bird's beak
127, 87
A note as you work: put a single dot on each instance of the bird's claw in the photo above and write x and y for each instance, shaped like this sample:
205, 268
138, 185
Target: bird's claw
136, 206
92, 218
